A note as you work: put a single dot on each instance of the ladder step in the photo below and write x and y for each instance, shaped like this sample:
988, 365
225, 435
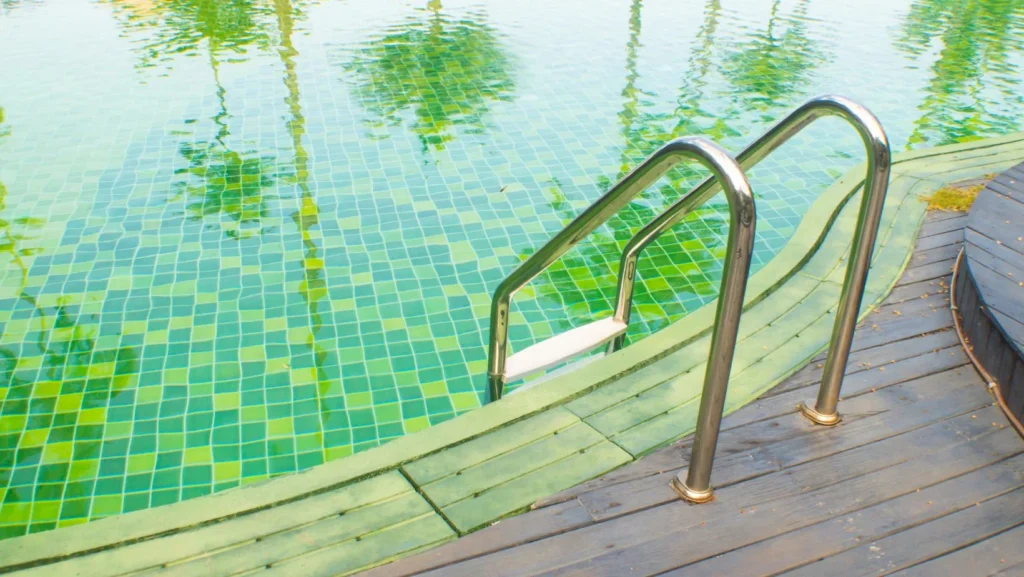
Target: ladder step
559, 348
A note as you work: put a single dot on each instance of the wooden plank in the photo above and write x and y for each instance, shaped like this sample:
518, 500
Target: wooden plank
767, 421
226, 535
926, 541
936, 303
870, 336
931, 271
681, 393
987, 557
355, 555
327, 533
995, 217
1015, 571
935, 366
874, 357
921, 257
833, 536
917, 290
454, 459
936, 215
511, 532
469, 479
1011, 327
1002, 186
686, 534
939, 240
940, 226
692, 358
1002, 256
517, 494
889, 431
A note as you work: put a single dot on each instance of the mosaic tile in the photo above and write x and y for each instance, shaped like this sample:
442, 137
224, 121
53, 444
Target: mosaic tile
241, 238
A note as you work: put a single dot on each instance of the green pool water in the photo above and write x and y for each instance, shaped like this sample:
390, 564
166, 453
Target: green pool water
239, 238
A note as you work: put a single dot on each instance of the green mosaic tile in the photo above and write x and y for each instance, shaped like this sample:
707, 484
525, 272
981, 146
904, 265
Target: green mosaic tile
273, 242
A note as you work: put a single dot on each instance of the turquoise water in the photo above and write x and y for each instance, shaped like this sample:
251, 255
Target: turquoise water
242, 237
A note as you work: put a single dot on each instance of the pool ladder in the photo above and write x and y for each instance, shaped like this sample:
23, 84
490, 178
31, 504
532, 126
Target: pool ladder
728, 174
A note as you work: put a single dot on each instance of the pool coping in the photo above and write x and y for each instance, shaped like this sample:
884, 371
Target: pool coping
51, 546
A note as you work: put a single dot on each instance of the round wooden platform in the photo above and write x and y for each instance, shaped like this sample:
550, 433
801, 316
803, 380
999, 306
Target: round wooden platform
990, 286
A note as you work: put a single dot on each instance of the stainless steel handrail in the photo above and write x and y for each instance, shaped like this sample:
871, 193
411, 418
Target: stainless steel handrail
734, 280
823, 410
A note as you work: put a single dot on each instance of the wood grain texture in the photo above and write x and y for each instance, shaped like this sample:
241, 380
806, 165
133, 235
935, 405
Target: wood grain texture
921, 453
991, 284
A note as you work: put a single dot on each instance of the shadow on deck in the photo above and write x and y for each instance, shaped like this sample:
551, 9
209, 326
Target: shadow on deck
923, 476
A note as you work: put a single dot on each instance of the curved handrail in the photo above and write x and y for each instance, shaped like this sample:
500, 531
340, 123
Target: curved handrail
741, 234
878, 165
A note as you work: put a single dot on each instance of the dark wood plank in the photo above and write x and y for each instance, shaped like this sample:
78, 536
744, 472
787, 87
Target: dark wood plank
925, 541
938, 215
874, 357
941, 269
944, 239
792, 550
649, 491
873, 336
511, 532
987, 557
776, 421
1009, 253
932, 228
888, 427
677, 534
995, 217
934, 255
922, 289
1004, 188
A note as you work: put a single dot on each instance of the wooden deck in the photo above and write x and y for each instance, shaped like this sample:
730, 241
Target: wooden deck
922, 478
990, 285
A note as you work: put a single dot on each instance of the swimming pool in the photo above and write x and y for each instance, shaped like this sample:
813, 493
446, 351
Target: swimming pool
243, 237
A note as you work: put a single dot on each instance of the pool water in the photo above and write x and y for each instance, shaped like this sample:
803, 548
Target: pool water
239, 238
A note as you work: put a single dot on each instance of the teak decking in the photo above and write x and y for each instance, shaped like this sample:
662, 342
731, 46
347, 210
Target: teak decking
923, 476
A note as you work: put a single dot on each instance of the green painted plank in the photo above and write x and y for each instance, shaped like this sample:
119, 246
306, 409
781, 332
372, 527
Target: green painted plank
519, 493
797, 337
369, 551
330, 532
676, 392
924, 155
494, 444
948, 164
693, 356
227, 534
482, 476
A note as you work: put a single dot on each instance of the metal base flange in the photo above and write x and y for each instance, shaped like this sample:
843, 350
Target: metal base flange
808, 410
691, 495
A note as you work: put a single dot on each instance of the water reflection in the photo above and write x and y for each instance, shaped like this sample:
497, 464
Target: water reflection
313, 287
584, 280
219, 183
445, 69
771, 69
183, 27
975, 88
56, 380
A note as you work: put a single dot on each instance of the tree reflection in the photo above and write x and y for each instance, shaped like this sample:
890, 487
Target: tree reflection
183, 27
64, 348
313, 287
218, 180
773, 67
446, 70
975, 86
584, 280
